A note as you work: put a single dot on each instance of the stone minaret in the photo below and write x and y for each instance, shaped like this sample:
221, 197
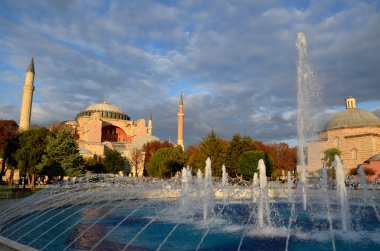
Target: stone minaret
150, 124
180, 124
27, 98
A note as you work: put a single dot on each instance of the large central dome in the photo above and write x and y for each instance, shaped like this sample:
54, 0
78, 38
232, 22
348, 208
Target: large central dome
105, 110
352, 118
104, 106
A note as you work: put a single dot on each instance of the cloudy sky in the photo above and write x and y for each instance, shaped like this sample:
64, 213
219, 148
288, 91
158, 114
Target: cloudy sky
235, 61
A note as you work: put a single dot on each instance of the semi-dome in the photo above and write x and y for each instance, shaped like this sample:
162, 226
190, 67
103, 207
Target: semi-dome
352, 118
141, 141
106, 110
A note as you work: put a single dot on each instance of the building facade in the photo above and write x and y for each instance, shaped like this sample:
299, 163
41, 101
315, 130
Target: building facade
354, 131
104, 126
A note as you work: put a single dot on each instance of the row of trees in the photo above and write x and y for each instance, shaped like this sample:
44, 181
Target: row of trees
54, 153
240, 156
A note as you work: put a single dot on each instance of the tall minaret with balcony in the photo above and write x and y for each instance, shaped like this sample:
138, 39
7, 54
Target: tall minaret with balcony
150, 124
180, 123
27, 98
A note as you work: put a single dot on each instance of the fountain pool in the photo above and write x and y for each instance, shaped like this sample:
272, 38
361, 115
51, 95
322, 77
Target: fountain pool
123, 214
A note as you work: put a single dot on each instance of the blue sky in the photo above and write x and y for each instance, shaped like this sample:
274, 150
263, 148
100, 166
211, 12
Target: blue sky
235, 61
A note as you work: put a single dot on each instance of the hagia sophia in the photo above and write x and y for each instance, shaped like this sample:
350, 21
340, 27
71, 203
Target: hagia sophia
101, 126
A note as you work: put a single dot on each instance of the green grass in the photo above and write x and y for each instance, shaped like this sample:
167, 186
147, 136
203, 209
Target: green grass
8, 189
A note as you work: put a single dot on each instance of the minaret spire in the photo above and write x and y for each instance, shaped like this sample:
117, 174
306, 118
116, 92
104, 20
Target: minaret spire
27, 98
180, 123
31, 66
150, 124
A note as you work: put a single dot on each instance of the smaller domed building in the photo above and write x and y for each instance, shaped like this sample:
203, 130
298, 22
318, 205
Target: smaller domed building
354, 131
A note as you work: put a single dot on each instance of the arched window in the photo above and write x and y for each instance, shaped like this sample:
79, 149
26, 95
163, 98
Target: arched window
336, 141
354, 153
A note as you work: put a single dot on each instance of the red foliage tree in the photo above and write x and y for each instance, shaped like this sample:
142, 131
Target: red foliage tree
152, 147
284, 157
8, 132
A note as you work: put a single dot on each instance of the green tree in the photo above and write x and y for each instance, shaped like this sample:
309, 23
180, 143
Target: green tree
248, 163
62, 154
328, 160
95, 165
166, 162
214, 147
235, 149
329, 156
249, 160
114, 162
29, 155
10, 151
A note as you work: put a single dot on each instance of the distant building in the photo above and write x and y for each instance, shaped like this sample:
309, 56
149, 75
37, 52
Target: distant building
372, 167
355, 132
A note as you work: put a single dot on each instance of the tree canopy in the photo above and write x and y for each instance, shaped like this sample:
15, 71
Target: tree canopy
329, 156
62, 154
166, 162
248, 163
32, 145
8, 133
114, 162
236, 147
211, 146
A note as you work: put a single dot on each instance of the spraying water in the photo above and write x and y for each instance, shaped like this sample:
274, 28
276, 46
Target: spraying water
263, 207
307, 96
289, 187
224, 183
254, 188
342, 193
208, 191
185, 188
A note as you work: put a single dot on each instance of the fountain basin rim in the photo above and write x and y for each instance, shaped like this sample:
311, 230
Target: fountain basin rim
13, 245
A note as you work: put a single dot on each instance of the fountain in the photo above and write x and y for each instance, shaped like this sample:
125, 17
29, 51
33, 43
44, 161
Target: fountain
107, 212
307, 97
120, 213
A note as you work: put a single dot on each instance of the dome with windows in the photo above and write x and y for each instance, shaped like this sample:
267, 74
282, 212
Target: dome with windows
352, 117
106, 110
